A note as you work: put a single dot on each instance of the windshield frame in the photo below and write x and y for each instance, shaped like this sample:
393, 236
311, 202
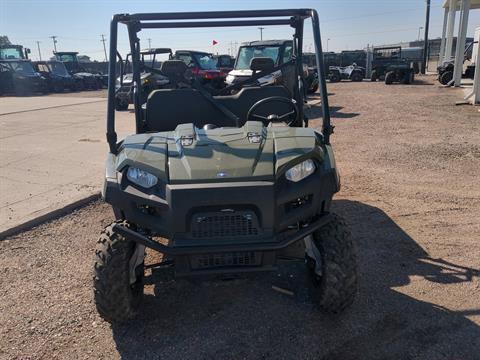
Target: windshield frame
277, 60
23, 72
54, 65
292, 18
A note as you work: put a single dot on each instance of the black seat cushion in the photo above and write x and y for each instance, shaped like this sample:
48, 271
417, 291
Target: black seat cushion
166, 108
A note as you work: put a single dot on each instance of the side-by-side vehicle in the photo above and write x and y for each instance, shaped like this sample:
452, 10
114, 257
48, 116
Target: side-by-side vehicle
234, 182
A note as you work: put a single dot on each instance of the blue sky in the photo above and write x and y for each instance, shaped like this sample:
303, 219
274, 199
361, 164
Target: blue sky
348, 24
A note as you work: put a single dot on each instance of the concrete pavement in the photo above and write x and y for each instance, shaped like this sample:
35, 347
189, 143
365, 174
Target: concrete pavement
52, 153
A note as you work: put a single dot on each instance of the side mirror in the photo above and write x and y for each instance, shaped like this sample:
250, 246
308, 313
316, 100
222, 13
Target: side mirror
261, 64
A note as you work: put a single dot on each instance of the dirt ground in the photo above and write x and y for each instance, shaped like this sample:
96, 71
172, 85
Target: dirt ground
410, 165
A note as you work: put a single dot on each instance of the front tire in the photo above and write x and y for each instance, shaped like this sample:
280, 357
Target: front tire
389, 78
446, 77
116, 299
336, 288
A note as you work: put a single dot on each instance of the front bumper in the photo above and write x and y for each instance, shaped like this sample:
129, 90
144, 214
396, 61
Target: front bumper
229, 227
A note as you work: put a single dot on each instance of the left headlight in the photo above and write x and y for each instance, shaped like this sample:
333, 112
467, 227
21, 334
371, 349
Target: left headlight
300, 171
141, 177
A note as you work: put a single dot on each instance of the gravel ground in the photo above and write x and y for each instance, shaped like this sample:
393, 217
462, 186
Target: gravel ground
410, 164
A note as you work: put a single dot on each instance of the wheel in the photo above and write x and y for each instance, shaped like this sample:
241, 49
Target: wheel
116, 296
374, 76
121, 105
446, 77
80, 85
313, 89
408, 78
334, 78
389, 77
357, 76
336, 288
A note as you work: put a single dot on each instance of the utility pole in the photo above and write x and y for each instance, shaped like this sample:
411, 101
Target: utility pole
104, 47
149, 43
420, 28
425, 39
39, 52
261, 32
54, 38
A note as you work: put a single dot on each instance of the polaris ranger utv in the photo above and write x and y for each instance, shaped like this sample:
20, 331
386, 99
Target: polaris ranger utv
231, 182
389, 66
445, 70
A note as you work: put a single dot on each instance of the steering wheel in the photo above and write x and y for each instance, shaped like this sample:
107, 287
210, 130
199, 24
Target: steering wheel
293, 115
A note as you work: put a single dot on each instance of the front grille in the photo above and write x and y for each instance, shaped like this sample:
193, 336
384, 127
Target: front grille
237, 259
224, 224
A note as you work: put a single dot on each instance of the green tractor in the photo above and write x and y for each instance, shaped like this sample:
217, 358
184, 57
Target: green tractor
233, 183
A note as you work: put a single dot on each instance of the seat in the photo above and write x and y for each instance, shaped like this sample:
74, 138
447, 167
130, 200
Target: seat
167, 108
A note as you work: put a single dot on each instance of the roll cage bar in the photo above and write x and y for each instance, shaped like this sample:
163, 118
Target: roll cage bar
136, 22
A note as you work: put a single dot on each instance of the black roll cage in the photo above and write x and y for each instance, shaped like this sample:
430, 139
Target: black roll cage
136, 22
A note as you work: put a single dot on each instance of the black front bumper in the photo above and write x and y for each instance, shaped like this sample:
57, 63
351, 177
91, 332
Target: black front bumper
214, 227
275, 243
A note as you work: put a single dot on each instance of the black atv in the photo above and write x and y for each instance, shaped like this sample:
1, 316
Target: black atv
352, 72
234, 184
389, 66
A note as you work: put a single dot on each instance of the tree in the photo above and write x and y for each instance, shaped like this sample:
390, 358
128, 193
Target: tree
4, 40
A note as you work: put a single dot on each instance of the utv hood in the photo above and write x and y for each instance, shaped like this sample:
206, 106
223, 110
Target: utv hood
189, 154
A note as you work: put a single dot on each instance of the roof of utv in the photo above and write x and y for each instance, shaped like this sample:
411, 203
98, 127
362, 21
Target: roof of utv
293, 18
265, 43
156, 51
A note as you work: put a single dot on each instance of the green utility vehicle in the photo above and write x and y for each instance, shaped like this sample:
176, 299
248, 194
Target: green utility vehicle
389, 66
232, 183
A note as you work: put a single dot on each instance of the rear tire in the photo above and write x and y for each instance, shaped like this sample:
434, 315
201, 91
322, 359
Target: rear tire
313, 89
336, 288
446, 77
357, 77
115, 298
334, 78
389, 78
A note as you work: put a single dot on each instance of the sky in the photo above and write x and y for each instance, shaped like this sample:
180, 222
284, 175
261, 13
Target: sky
344, 24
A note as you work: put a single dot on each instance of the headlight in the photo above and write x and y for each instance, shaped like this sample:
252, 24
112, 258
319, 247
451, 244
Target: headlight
230, 79
300, 171
141, 177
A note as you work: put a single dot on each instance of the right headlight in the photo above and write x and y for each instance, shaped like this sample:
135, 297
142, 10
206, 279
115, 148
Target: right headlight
300, 171
141, 177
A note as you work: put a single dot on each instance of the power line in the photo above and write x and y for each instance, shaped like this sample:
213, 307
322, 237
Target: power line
104, 47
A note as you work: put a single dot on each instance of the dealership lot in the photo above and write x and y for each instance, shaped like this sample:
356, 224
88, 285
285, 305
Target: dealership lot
410, 164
